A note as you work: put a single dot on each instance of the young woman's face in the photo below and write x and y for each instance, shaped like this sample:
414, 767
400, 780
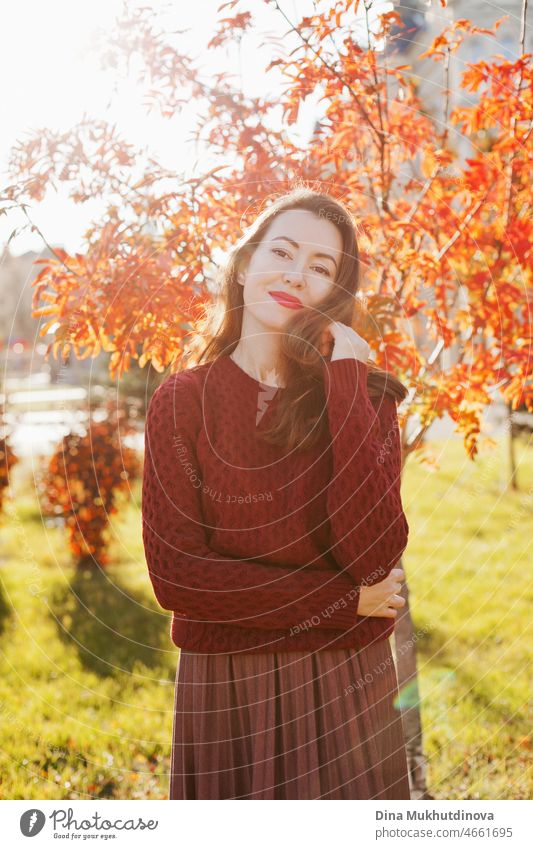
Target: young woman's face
294, 266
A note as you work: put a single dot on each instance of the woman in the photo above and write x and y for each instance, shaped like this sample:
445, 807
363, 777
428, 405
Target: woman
272, 524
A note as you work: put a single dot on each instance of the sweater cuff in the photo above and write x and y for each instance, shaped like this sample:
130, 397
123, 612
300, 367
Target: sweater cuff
346, 378
340, 612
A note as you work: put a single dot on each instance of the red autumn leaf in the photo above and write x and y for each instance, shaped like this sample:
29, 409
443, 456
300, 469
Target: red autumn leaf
444, 244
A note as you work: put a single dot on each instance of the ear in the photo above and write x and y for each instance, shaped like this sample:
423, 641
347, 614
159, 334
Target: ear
242, 273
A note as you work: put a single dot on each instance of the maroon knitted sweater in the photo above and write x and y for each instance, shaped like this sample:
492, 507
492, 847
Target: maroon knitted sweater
258, 549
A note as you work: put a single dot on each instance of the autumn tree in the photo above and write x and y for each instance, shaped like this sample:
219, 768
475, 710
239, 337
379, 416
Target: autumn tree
425, 223
8, 459
86, 475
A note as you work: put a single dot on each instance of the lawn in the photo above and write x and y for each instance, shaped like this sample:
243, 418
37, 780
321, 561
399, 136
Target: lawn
468, 567
87, 665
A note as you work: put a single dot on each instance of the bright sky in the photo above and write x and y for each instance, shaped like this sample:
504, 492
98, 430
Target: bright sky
51, 78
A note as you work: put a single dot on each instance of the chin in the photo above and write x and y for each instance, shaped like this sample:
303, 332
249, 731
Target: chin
268, 316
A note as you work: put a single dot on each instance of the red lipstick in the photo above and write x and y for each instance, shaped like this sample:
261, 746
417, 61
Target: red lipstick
289, 301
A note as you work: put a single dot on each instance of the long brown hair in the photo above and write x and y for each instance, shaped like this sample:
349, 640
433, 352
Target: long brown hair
300, 419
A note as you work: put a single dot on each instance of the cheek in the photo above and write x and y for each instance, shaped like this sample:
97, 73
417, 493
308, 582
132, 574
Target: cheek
264, 309
262, 268
253, 293
320, 289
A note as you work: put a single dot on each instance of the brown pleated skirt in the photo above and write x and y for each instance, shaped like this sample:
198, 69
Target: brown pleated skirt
291, 725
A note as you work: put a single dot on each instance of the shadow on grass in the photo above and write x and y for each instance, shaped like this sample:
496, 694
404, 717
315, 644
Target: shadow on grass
460, 669
109, 626
5, 610
434, 645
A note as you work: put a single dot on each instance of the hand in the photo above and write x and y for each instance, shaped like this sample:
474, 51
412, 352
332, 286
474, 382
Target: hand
346, 343
382, 599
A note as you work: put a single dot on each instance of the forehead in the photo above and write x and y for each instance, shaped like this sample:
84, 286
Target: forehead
308, 229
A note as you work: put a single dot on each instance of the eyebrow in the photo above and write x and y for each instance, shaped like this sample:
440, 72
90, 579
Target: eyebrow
296, 245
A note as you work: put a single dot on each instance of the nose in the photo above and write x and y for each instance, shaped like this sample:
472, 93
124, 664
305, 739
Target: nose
294, 278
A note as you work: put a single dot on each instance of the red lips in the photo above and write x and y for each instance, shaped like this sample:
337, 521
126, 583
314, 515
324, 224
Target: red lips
289, 301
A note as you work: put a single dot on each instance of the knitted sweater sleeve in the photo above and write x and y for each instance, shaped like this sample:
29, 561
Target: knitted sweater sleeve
195, 581
368, 525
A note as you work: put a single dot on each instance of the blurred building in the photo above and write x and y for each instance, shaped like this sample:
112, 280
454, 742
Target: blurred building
21, 347
16, 274
424, 20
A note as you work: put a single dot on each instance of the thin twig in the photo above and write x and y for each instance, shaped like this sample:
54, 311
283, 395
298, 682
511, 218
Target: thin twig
332, 71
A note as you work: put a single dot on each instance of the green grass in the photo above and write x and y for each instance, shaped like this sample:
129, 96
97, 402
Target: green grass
468, 567
87, 669
87, 665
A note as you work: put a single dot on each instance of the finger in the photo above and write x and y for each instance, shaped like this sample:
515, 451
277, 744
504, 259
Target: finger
385, 612
325, 339
397, 601
381, 611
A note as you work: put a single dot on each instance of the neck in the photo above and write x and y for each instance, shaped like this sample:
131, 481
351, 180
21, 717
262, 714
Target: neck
258, 362
257, 351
